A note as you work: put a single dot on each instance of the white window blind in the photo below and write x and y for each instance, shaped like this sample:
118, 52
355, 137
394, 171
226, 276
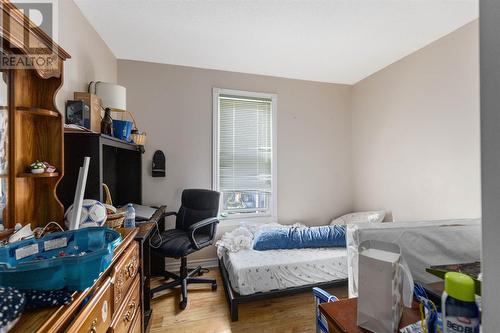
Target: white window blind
245, 155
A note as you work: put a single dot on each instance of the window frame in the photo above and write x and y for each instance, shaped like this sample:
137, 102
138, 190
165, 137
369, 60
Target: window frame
272, 215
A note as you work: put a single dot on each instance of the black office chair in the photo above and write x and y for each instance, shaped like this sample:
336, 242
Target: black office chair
195, 227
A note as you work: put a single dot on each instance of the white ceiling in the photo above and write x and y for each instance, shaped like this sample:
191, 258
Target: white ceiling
341, 41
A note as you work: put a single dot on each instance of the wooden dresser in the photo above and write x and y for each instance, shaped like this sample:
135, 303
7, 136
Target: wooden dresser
112, 304
342, 316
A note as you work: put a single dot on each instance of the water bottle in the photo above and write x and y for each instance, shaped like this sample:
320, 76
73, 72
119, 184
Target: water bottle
460, 310
129, 217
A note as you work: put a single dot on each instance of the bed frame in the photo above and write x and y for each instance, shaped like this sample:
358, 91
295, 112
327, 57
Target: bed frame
234, 299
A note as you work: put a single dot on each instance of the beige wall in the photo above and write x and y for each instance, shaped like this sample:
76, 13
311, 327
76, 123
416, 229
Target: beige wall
173, 104
406, 139
91, 59
415, 130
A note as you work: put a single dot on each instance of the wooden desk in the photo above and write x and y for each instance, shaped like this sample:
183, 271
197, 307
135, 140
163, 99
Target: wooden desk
145, 232
342, 316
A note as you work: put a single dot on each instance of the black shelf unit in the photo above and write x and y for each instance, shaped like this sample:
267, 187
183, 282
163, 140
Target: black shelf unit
115, 162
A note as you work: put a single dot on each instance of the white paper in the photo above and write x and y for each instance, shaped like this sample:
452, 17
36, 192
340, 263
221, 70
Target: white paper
55, 243
26, 251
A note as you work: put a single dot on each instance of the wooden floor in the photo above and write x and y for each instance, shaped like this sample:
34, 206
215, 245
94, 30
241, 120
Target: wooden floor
207, 312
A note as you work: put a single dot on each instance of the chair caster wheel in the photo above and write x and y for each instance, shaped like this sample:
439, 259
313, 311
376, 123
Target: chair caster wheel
183, 304
214, 286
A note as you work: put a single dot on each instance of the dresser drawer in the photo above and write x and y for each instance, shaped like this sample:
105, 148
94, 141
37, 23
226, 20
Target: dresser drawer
96, 315
137, 325
129, 311
124, 273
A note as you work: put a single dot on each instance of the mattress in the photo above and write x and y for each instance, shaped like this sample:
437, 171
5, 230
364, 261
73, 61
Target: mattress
251, 271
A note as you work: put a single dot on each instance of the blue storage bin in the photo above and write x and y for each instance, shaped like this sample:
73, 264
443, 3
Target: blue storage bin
122, 129
38, 264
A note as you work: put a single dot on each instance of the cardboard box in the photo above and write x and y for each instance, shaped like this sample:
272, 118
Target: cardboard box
95, 109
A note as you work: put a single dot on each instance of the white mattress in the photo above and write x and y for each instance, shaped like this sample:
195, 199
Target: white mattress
253, 271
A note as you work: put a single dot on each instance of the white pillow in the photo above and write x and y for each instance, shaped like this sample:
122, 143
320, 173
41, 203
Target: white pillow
375, 216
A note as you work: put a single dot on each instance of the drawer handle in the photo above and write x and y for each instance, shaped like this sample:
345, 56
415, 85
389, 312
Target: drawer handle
131, 269
93, 326
130, 314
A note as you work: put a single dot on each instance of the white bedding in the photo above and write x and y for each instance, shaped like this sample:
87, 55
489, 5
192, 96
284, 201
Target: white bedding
253, 271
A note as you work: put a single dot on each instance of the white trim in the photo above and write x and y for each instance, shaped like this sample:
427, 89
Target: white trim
215, 144
174, 266
215, 136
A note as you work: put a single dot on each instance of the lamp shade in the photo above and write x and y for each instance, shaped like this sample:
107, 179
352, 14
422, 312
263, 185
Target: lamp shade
112, 96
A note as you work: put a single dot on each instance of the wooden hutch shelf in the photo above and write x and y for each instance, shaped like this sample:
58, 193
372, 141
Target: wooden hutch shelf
35, 127
37, 111
38, 175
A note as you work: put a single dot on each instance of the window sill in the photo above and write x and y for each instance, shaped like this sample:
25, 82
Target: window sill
237, 221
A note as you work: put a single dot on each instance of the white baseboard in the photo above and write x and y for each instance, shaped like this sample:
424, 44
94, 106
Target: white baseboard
174, 265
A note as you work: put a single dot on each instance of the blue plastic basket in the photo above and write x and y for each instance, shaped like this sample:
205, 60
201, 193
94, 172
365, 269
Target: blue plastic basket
122, 129
39, 264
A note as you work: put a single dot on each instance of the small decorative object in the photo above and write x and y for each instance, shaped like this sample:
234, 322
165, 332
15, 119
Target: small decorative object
78, 113
107, 123
158, 166
93, 214
37, 167
49, 168
41, 167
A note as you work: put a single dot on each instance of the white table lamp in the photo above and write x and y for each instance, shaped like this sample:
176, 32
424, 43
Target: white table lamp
113, 96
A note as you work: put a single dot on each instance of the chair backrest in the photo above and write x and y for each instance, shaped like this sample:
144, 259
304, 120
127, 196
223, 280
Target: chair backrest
321, 296
196, 205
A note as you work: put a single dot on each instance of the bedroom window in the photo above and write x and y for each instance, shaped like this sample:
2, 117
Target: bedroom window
244, 153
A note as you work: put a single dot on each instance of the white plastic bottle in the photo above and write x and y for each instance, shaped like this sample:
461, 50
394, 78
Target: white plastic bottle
460, 310
129, 217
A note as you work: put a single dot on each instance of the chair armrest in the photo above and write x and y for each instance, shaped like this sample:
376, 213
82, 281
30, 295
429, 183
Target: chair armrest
162, 222
170, 214
212, 221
